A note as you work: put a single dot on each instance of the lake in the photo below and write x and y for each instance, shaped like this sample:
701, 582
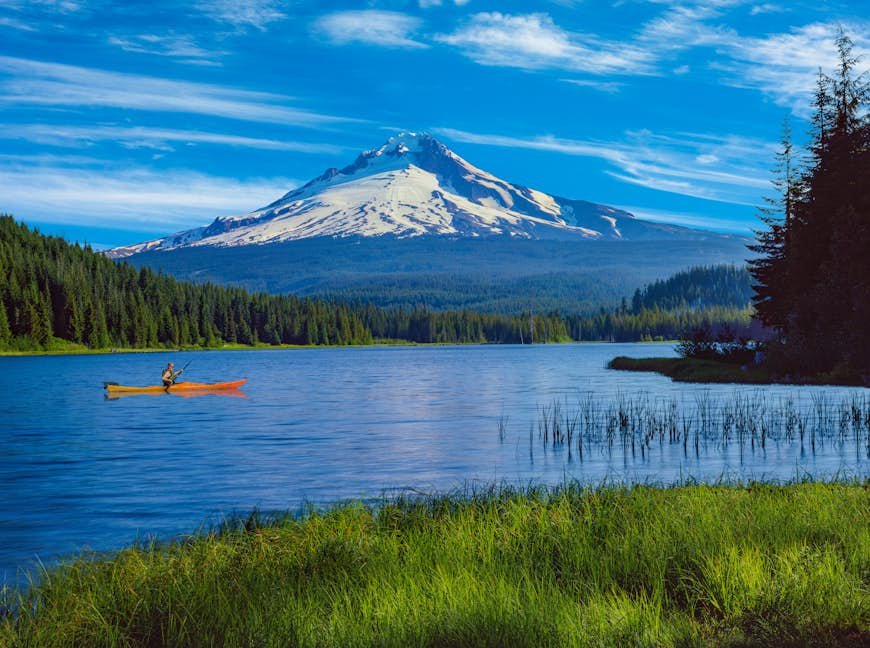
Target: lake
81, 472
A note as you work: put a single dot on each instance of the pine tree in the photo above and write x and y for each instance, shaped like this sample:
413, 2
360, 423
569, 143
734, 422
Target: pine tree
771, 268
813, 273
5, 330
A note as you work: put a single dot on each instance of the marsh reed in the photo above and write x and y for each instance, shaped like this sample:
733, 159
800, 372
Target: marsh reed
750, 420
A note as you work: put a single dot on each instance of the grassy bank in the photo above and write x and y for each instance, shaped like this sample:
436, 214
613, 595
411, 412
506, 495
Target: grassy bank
713, 371
689, 566
62, 347
69, 348
693, 370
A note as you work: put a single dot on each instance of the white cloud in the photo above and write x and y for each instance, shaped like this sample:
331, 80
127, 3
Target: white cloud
683, 27
534, 41
14, 23
372, 27
689, 219
782, 65
181, 46
58, 6
785, 66
540, 143
426, 4
141, 199
663, 162
766, 9
54, 84
144, 137
244, 13
610, 87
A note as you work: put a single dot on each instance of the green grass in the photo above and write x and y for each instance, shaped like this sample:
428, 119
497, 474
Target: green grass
693, 370
62, 347
754, 565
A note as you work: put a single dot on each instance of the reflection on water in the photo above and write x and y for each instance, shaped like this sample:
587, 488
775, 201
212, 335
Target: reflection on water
322, 425
188, 393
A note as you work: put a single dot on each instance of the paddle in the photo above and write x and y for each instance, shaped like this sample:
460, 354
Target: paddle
181, 372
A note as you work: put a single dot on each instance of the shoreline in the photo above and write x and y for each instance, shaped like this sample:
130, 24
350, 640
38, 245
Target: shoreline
694, 370
269, 347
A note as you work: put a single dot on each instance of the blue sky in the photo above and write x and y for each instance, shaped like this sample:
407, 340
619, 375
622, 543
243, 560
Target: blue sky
123, 121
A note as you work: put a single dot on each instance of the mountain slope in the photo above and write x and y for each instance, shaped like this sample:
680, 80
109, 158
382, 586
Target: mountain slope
492, 274
414, 186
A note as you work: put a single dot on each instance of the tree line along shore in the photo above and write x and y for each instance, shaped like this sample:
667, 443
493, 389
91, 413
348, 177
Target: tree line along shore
55, 295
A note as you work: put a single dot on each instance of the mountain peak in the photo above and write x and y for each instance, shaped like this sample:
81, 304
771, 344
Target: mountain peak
402, 149
414, 185
407, 142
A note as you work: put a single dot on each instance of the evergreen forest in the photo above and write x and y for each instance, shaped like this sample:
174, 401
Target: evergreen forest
52, 291
62, 296
486, 274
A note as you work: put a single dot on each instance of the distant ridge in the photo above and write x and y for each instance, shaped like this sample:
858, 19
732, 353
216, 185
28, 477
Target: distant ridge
414, 186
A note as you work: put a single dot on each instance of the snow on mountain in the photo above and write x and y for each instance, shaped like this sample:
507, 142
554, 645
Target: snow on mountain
411, 186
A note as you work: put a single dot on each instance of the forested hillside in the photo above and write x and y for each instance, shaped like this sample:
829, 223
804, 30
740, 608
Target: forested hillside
701, 286
51, 289
493, 275
53, 293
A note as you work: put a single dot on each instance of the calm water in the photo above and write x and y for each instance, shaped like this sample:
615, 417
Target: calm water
81, 472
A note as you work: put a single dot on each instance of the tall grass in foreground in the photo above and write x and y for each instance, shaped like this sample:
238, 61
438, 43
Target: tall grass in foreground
758, 565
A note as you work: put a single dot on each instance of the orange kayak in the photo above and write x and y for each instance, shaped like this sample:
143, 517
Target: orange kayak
177, 387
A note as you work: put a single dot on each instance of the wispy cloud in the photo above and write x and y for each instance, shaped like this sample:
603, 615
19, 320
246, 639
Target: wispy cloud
144, 137
689, 219
180, 46
785, 66
540, 143
681, 164
36, 15
682, 27
30, 82
610, 87
534, 41
767, 8
781, 65
372, 27
14, 23
426, 4
59, 6
243, 14
158, 201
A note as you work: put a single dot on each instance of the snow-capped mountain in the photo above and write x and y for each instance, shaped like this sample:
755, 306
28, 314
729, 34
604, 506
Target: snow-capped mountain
411, 186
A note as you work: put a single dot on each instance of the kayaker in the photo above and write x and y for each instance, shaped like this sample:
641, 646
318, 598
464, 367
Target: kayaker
169, 375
